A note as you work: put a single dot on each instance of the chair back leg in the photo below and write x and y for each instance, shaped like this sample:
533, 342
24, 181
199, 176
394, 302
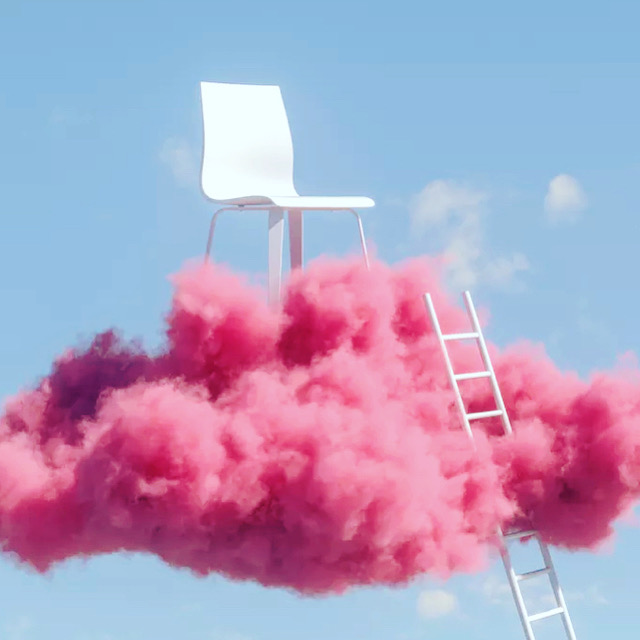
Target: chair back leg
363, 240
296, 247
276, 241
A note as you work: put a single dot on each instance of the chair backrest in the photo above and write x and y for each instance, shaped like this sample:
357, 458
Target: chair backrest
247, 142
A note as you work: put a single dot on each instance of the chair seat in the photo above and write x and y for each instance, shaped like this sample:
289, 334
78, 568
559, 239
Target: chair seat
321, 203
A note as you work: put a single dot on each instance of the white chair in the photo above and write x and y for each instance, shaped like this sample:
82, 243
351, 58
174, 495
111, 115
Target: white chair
247, 165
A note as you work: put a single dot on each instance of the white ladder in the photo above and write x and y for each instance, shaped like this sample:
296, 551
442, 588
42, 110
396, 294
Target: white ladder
514, 578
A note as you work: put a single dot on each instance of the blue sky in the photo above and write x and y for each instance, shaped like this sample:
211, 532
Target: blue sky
505, 133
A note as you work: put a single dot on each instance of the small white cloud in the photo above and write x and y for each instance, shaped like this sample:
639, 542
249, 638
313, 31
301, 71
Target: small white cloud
18, 629
565, 199
496, 590
68, 117
442, 200
454, 213
502, 271
227, 635
590, 595
179, 157
463, 252
538, 595
436, 603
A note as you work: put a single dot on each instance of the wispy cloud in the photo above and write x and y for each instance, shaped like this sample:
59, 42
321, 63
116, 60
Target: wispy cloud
69, 117
590, 595
565, 200
441, 200
538, 594
455, 212
590, 325
496, 590
436, 603
589, 331
18, 629
228, 635
181, 160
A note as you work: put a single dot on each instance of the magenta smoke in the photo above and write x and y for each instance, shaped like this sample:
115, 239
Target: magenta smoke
315, 447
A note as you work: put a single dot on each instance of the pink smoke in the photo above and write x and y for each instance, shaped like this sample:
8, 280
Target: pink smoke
316, 447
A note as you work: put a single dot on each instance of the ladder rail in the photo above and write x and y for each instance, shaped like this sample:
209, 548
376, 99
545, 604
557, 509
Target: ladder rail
447, 360
516, 592
484, 352
557, 590
514, 578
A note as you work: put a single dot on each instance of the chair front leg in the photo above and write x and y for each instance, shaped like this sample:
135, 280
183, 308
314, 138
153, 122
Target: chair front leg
276, 238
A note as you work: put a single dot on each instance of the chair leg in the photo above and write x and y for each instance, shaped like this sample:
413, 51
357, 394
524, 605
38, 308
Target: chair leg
276, 238
295, 238
363, 241
212, 228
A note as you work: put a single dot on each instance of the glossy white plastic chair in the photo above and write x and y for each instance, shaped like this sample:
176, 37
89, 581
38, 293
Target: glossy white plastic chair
247, 165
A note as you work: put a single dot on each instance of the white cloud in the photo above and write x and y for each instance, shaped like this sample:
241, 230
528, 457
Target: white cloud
591, 326
591, 595
179, 157
442, 199
18, 629
227, 635
436, 603
455, 213
538, 594
496, 590
501, 271
68, 117
565, 199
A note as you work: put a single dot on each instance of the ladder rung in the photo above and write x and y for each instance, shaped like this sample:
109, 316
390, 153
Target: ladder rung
546, 614
484, 414
533, 574
514, 578
472, 376
518, 535
461, 336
